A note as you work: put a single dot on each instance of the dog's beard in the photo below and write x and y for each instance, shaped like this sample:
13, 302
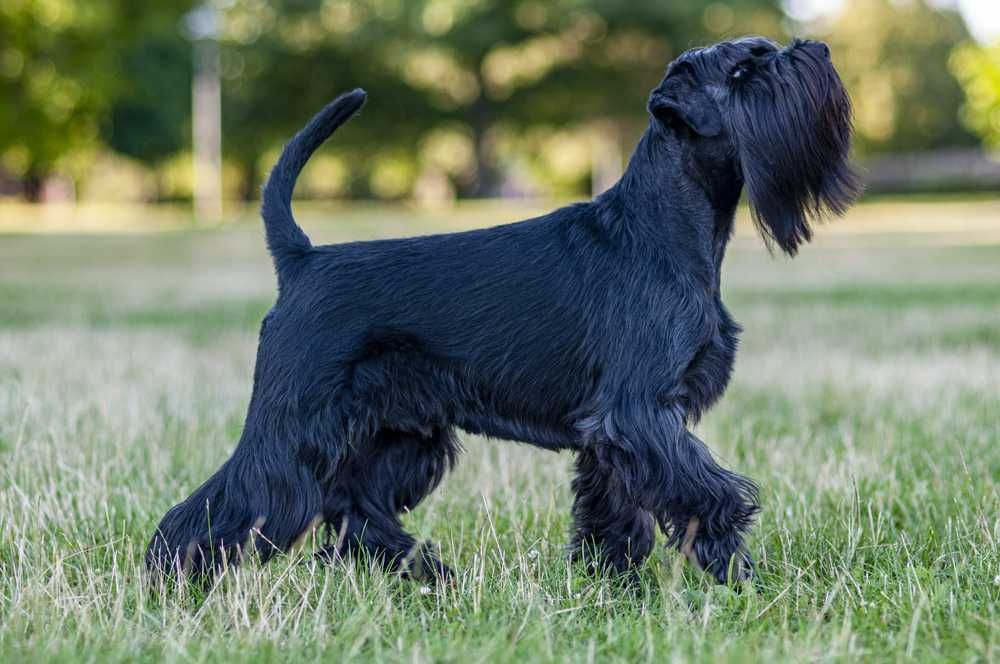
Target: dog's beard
792, 125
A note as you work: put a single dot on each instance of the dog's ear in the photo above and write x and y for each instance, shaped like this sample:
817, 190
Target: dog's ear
677, 98
792, 127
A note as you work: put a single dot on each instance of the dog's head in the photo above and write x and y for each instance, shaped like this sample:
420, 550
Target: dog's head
780, 116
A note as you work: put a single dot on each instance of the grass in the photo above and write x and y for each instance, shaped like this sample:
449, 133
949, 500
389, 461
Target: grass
866, 402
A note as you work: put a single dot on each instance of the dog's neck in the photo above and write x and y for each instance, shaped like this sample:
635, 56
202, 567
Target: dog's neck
670, 199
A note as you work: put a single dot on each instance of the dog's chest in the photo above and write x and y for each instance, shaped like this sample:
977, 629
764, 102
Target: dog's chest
706, 377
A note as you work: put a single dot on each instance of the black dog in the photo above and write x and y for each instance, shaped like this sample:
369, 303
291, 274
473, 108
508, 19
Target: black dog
597, 328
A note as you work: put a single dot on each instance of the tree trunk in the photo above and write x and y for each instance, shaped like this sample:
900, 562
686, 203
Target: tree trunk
33, 184
249, 183
487, 182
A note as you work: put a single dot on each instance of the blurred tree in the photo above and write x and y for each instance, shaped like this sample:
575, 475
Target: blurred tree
893, 57
54, 80
61, 67
452, 81
462, 90
149, 116
283, 60
446, 75
520, 64
978, 68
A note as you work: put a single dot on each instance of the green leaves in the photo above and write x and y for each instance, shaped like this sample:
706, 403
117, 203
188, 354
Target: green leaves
978, 69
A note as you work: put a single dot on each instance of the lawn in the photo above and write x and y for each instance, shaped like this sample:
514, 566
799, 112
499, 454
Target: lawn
866, 402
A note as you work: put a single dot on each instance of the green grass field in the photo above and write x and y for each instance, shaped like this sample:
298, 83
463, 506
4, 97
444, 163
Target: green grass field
866, 402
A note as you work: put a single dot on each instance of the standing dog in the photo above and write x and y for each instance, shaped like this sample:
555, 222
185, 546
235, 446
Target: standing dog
597, 328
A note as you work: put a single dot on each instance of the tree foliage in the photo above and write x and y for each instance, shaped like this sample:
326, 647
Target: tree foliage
472, 71
61, 71
978, 68
462, 90
893, 57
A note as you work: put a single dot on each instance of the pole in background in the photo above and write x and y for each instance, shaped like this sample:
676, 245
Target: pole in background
206, 113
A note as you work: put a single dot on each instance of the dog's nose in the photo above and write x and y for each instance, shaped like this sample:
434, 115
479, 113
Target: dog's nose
811, 45
821, 47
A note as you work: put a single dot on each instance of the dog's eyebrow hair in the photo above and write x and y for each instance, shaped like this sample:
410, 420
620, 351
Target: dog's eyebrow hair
678, 66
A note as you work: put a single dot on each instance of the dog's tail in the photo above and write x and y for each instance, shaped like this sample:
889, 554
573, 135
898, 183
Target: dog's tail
285, 239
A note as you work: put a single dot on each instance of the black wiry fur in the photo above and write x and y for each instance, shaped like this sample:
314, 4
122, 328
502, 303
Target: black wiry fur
793, 126
597, 328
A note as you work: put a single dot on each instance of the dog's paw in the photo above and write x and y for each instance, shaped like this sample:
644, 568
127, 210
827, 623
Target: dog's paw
602, 558
423, 564
724, 558
734, 569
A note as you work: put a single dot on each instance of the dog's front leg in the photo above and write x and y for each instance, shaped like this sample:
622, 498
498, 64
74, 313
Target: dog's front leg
661, 467
708, 512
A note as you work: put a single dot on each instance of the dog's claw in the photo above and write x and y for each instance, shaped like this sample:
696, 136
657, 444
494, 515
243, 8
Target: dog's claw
740, 569
423, 564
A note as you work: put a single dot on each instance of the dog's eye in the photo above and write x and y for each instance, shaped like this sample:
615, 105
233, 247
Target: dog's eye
758, 51
681, 68
741, 71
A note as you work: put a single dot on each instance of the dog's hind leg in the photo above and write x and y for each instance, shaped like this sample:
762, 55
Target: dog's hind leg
268, 495
263, 500
382, 478
611, 530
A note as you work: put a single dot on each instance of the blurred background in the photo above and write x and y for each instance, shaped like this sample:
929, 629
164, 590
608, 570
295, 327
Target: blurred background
134, 138
188, 102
